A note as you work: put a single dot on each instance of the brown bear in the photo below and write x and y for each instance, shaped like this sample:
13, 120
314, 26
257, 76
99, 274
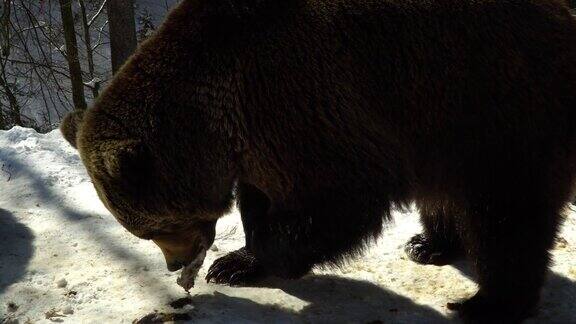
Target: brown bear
319, 116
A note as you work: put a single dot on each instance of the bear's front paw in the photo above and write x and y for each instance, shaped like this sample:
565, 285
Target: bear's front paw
482, 309
235, 269
421, 249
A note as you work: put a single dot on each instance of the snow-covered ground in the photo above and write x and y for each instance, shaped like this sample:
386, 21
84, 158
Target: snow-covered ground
64, 258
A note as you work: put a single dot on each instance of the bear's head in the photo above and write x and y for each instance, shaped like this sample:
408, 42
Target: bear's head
158, 143
150, 192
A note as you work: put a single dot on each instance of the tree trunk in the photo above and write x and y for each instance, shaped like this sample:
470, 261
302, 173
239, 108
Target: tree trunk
72, 54
2, 119
14, 105
5, 33
89, 50
14, 112
122, 26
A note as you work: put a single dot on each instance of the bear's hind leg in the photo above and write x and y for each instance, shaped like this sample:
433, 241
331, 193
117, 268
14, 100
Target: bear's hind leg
439, 244
509, 237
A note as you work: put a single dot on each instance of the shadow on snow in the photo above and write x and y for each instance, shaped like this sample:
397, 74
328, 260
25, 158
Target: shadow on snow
15, 249
330, 299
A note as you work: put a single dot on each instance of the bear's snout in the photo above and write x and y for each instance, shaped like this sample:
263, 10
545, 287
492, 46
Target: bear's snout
182, 247
178, 254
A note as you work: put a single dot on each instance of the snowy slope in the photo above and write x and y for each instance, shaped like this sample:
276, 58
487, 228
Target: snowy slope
62, 253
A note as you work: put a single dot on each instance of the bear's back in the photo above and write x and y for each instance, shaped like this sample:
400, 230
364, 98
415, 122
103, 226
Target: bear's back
397, 86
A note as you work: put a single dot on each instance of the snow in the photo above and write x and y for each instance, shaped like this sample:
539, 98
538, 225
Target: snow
63, 257
92, 83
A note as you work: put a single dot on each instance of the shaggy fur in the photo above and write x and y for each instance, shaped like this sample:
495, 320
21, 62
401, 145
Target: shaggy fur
320, 115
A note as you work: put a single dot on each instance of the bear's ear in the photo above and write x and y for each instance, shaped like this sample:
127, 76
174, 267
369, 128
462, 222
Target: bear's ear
71, 125
126, 160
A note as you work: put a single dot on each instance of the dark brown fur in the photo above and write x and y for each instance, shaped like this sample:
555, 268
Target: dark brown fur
323, 114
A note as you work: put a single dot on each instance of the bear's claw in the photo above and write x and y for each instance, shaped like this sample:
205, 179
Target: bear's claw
422, 250
235, 269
